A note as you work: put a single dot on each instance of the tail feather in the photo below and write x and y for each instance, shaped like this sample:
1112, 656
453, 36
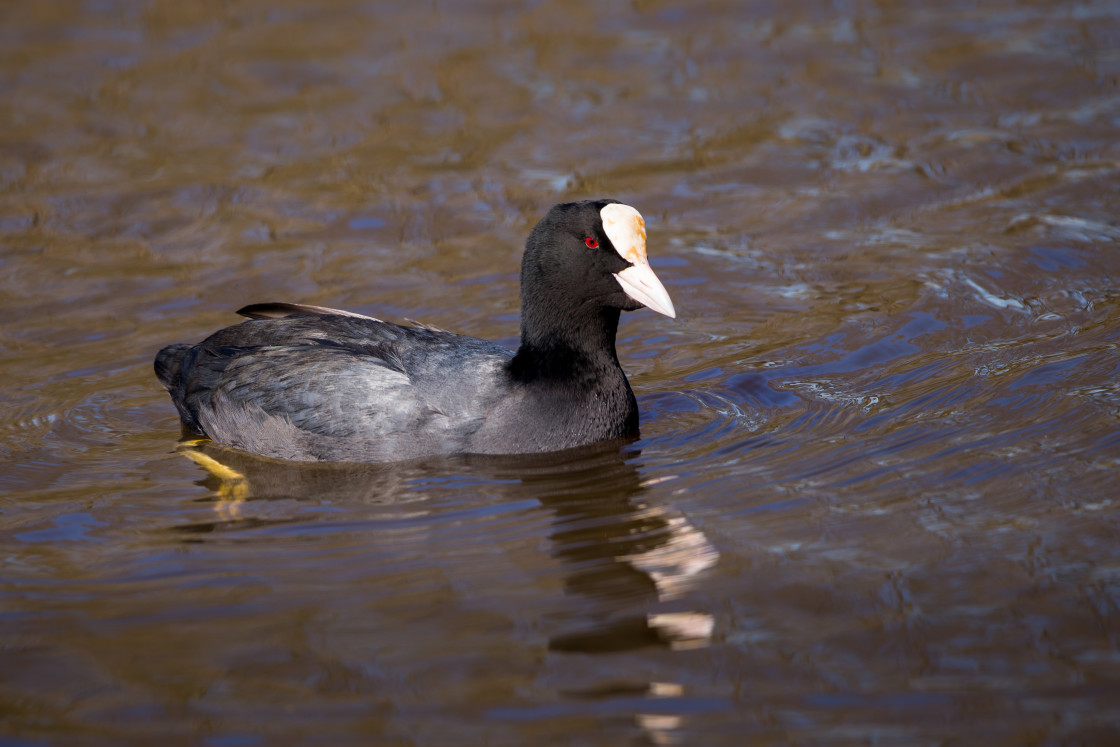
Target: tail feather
169, 370
168, 365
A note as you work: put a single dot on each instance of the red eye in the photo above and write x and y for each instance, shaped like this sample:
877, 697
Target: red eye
591, 243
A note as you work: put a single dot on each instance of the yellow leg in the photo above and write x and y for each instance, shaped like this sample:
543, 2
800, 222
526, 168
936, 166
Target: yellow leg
233, 489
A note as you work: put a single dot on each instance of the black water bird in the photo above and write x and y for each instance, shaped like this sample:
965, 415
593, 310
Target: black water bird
310, 383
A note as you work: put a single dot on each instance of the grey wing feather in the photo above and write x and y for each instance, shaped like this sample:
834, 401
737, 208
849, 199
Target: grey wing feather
328, 403
339, 388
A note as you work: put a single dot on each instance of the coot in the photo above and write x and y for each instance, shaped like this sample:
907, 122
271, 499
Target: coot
311, 383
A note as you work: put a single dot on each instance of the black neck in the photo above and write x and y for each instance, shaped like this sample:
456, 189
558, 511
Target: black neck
573, 346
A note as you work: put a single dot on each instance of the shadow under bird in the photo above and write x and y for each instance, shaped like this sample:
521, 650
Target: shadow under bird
309, 383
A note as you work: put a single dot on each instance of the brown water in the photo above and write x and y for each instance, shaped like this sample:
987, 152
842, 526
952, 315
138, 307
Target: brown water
875, 500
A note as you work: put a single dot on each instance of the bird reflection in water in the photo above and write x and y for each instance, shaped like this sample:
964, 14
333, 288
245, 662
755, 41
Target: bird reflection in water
619, 549
631, 563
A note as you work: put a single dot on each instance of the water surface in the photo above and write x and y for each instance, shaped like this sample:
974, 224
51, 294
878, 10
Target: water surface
874, 500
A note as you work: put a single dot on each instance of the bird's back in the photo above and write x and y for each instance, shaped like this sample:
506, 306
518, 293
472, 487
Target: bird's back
335, 388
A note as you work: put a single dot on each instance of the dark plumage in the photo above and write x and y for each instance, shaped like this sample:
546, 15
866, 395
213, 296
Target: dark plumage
311, 383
